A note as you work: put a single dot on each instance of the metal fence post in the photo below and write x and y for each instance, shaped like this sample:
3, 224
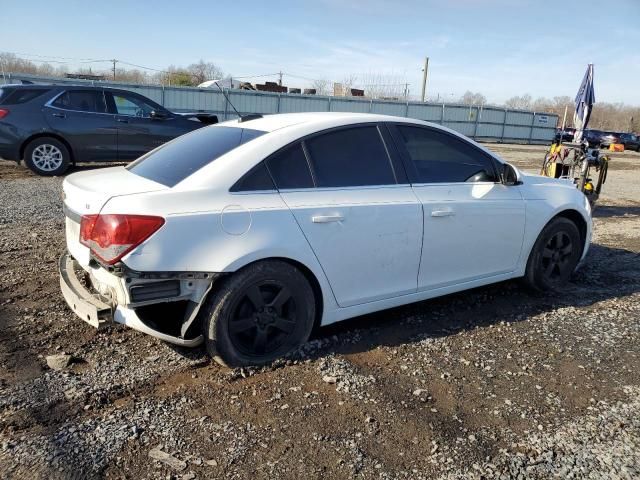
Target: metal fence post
533, 122
406, 110
504, 125
163, 101
278, 107
475, 127
226, 105
329, 105
371, 105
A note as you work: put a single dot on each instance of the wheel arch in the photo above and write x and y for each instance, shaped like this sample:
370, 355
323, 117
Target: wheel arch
311, 277
577, 218
61, 139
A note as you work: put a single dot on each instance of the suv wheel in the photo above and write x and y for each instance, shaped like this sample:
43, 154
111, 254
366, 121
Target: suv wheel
259, 314
554, 256
47, 156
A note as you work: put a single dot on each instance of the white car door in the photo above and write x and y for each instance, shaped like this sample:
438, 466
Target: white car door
364, 226
473, 224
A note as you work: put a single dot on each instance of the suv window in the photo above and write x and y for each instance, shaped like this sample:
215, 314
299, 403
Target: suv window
439, 157
19, 95
82, 101
290, 169
350, 157
132, 106
174, 161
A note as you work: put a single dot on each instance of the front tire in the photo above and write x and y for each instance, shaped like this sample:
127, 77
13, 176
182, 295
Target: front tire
554, 256
47, 156
258, 314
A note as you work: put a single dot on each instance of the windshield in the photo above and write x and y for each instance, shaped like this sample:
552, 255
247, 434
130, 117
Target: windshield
176, 160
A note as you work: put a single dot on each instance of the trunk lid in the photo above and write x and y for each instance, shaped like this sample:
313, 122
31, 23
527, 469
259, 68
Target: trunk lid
87, 192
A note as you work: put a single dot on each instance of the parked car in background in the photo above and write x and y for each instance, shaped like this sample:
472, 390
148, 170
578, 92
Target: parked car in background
54, 126
247, 234
594, 137
631, 141
609, 138
567, 134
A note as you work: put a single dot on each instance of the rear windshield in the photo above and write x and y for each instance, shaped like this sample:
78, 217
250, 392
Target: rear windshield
17, 96
176, 160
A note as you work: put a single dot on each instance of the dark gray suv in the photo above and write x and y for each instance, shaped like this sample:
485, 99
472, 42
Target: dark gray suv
54, 126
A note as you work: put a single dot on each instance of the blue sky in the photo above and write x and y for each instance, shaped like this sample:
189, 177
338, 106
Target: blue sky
497, 47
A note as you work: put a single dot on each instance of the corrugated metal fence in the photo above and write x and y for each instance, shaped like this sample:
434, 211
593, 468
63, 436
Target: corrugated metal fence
481, 123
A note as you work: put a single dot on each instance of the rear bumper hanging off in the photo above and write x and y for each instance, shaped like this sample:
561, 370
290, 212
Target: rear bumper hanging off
94, 309
86, 305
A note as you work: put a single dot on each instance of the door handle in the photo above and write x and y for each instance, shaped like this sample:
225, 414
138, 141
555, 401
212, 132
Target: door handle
327, 218
443, 213
59, 115
122, 120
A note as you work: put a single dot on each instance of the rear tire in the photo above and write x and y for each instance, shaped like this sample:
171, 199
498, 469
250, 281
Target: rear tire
47, 156
258, 314
554, 256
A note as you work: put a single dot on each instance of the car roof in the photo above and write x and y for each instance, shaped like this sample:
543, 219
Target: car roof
271, 123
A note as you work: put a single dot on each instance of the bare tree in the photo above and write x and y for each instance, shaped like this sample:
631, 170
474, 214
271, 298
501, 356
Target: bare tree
519, 102
203, 71
471, 98
322, 86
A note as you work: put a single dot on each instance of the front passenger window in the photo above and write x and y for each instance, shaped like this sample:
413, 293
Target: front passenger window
439, 157
132, 106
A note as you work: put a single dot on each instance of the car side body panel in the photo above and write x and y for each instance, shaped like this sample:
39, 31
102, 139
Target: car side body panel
210, 229
218, 232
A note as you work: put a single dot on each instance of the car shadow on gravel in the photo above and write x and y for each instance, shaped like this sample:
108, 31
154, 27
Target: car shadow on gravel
608, 273
612, 211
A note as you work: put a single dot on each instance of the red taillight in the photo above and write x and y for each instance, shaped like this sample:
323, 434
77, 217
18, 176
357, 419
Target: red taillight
3, 112
110, 237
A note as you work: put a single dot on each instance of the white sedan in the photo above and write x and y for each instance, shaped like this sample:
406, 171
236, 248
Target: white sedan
247, 234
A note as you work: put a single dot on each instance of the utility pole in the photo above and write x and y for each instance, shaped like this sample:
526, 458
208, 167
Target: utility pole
406, 90
114, 68
280, 81
424, 77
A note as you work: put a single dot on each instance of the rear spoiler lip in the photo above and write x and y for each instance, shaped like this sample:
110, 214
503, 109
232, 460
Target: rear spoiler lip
206, 118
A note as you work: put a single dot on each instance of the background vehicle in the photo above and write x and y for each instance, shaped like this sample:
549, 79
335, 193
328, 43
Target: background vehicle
302, 219
609, 138
630, 141
594, 137
51, 127
567, 134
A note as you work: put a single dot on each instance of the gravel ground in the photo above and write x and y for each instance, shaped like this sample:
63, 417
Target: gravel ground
497, 382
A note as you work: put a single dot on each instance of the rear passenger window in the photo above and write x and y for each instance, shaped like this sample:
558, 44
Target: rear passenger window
82, 101
257, 178
18, 96
439, 157
289, 168
350, 157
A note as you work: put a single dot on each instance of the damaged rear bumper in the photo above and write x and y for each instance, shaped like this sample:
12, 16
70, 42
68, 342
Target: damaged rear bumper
119, 298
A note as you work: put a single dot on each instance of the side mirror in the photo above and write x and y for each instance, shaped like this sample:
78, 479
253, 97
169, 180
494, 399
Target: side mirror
509, 175
157, 115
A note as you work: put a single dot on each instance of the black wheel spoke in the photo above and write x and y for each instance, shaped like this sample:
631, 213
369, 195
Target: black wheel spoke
260, 340
283, 324
566, 250
280, 299
255, 296
547, 252
548, 271
241, 325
